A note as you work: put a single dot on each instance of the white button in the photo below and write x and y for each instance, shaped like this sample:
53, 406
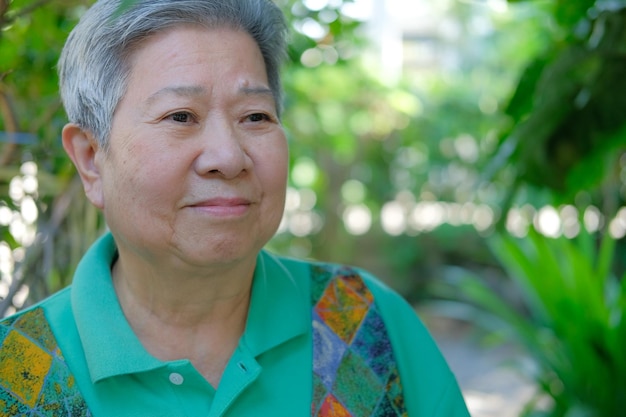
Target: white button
176, 378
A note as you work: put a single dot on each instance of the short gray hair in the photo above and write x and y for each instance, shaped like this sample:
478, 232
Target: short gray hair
94, 65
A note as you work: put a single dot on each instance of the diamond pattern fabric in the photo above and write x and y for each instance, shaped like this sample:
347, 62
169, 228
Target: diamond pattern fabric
34, 378
355, 373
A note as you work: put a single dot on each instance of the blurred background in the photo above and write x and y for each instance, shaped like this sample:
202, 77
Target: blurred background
471, 153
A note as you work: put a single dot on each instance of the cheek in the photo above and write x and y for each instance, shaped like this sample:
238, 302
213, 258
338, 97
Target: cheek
275, 186
275, 168
144, 177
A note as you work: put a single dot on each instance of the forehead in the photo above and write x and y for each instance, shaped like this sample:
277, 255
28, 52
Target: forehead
193, 55
214, 33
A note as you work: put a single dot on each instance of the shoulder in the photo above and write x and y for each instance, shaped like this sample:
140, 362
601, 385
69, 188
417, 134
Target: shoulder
320, 275
35, 323
429, 385
348, 286
49, 306
34, 372
430, 388
29, 334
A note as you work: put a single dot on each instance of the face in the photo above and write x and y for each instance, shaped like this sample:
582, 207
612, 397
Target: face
196, 170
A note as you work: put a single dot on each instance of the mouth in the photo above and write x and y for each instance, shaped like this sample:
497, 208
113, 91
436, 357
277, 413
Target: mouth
223, 207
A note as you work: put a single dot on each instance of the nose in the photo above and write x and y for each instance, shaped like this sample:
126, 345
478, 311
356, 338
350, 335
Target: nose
222, 151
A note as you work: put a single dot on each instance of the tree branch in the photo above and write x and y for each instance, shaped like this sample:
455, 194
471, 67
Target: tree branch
10, 121
47, 232
22, 12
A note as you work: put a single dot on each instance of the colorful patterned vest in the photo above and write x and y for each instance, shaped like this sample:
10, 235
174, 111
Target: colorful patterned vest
34, 377
354, 371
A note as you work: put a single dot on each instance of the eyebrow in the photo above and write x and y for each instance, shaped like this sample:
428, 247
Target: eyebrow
263, 91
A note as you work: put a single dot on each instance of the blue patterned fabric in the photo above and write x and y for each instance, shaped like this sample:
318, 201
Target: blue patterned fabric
354, 369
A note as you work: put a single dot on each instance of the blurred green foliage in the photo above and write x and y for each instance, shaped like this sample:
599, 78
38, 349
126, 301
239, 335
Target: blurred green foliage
573, 323
520, 106
31, 119
567, 130
442, 135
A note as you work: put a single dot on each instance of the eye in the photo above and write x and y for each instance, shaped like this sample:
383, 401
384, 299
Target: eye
181, 117
259, 117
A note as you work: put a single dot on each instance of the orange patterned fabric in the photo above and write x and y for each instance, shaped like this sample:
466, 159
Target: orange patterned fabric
354, 369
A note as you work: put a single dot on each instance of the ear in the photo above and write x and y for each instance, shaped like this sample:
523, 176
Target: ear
84, 151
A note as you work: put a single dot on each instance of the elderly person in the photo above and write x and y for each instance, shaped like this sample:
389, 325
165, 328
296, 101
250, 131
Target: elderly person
178, 311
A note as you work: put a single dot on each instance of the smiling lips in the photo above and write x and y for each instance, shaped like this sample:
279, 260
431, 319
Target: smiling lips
223, 207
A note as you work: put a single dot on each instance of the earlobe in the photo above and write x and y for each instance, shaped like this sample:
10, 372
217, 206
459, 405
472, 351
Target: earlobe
83, 150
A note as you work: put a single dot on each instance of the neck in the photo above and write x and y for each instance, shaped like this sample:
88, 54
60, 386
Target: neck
182, 296
179, 315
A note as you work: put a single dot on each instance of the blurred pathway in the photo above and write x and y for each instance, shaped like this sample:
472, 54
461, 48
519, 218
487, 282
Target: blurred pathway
492, 388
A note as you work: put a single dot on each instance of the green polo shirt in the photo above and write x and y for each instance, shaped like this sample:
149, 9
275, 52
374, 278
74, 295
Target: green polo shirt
270, 372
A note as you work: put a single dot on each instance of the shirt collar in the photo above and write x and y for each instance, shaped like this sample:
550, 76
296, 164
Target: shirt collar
279, 311
111, 347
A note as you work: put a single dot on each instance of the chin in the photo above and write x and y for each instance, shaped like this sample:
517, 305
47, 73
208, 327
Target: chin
225, 252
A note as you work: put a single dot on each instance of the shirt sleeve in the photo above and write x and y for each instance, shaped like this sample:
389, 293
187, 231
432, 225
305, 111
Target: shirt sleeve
430, 388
